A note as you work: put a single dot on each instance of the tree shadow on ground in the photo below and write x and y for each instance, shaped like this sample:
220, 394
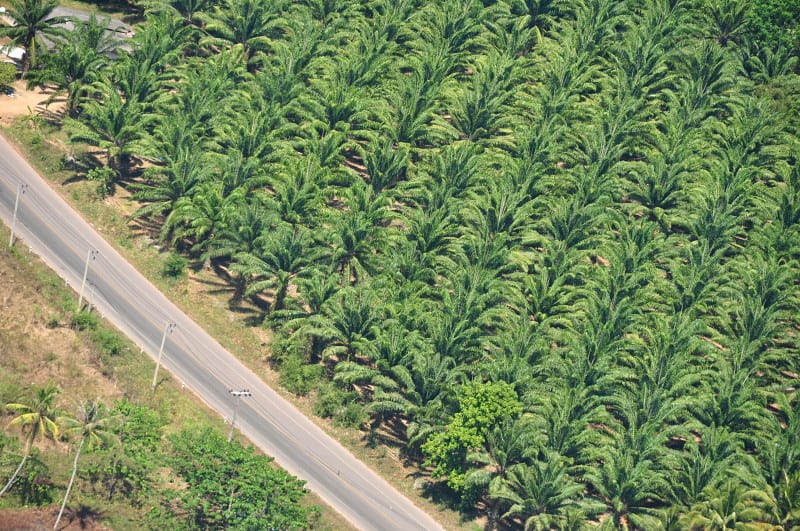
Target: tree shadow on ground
85, 516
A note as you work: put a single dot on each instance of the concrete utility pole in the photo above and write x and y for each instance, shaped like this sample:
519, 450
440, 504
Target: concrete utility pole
21, 189
237, 395
89, 257
167, 330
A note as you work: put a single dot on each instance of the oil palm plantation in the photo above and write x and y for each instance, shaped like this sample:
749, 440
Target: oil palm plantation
596, 202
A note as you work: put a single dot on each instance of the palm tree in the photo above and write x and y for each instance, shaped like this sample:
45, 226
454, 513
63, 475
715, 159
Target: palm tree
297, 196
705, 465
780, 462
40, 416
539, 13
165, 185
248, 24
505, 446
280, 257
328, 12
115, 125
631, 485
347, 324
157, 45
501, 208
357, 233
93, 426
731, 506
76, 62
412, 103
480, 111
316, 292
422, 393
200, 216
728, 20
187, 10
385, 164
540, 493
454, 26
238, 233
32, 21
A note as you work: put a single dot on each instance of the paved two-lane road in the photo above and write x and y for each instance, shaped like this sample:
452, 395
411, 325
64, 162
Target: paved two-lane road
54, 231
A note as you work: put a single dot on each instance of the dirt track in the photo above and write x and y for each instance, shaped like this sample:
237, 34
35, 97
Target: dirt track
24, 102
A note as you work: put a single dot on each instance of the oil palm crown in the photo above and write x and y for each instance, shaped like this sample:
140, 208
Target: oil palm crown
480, 110
541, 14
186, 10
455, 25
77, 62
731, 506
541, 493
280, 257
718, 456
347, 324
116, 125
631, 487
727, 20
249, 24
197, 218
386, 164
157, 45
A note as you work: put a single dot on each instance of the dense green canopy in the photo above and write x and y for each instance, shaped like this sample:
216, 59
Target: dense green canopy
595, 204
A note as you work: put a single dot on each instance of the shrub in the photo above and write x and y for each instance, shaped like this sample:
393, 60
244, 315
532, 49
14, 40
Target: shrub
105, 178
330, 401
84, 320
351, 416
8, 74
174, 266
109, 341
297, 377
340, 405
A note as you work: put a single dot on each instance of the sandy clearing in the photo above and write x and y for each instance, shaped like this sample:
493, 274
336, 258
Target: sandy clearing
25, 102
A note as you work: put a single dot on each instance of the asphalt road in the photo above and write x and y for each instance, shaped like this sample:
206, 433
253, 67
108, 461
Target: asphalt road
113, 25
54, 231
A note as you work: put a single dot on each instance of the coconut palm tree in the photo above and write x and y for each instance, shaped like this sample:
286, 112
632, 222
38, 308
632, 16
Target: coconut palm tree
93, 427
33, 20
37, 414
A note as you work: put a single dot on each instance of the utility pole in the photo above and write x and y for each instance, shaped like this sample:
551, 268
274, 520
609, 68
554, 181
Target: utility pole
237, 395
167, 330
21, 189
89, 257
